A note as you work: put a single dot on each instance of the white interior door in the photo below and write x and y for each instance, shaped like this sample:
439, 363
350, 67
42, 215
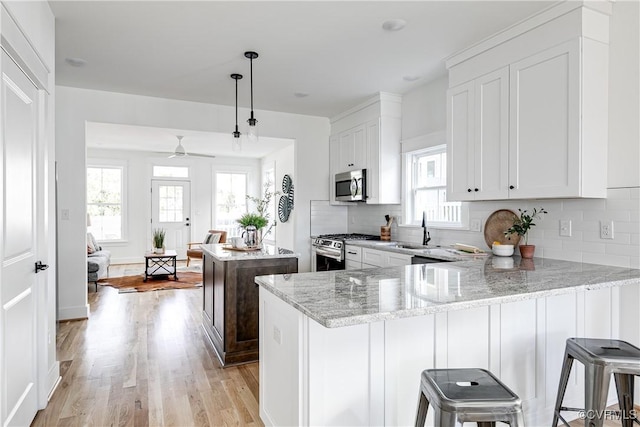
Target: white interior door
171, 210
19, 250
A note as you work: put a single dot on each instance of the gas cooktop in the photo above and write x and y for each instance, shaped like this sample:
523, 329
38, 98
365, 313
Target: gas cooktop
349, 236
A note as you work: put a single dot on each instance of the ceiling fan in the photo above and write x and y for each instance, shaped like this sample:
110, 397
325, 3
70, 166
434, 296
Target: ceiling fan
180, 151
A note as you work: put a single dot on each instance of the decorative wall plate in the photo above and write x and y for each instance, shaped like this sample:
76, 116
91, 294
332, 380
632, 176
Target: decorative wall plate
285, 205
287, 184
283, 209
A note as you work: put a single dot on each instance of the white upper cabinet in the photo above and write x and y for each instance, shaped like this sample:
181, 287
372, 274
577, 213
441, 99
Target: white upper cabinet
352, 151
368, 137
478, 129
527, 110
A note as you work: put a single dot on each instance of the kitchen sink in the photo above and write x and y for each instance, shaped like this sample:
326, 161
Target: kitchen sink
403, 246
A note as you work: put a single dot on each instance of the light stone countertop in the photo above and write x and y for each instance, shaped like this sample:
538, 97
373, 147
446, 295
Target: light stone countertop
219, 252
351, 297
444, 253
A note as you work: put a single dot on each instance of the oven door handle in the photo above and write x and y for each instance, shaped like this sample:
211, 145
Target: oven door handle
328, 253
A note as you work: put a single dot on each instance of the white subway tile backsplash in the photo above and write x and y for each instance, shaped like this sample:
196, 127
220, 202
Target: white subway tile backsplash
560, 254
622, 206
327, 219
607, 259
612, 215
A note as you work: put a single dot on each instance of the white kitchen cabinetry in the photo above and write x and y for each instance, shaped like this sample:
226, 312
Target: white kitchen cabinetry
357, 257
378, 258
478, 138
353, 257
368, 137
527, 110
352, 150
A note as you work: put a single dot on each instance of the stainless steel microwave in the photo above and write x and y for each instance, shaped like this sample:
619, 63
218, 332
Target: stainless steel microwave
351, 186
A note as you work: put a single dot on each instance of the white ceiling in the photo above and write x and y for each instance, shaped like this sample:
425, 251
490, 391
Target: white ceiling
335, 51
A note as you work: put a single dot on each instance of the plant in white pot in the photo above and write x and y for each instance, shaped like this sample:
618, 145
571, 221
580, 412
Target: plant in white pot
521, 226
158, 240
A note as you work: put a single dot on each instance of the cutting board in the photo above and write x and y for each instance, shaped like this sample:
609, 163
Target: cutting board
497, 223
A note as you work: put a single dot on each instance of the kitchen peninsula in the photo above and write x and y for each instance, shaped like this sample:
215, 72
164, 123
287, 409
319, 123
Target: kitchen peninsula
348, 347
230, 297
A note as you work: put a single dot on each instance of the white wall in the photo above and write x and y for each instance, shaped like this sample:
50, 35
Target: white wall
139, 166
624, 95
74, 107
284, 162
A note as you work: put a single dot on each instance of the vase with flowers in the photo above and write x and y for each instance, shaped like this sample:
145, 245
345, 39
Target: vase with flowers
259, 219
521, 226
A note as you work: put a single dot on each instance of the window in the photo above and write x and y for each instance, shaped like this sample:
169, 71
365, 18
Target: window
170, 199
171, 171
105, 201
426, 184
231, 200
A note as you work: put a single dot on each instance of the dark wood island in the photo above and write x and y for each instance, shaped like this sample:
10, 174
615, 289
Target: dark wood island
230, 297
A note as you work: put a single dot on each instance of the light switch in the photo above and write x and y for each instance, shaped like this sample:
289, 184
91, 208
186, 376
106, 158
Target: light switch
565, 227
277, 335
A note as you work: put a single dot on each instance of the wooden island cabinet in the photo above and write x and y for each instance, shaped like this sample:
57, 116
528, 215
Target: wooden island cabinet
230, 297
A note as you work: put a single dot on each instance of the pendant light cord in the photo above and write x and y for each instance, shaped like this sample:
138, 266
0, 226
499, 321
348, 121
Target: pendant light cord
251, 77
236, 105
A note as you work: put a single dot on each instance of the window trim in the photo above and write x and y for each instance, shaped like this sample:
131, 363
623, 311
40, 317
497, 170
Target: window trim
425, 143
124, 225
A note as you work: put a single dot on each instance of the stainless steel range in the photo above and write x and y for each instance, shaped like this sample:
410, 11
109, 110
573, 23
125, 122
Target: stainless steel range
327, 250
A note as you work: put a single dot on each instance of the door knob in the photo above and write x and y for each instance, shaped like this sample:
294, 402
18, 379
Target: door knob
511, 187
40, 266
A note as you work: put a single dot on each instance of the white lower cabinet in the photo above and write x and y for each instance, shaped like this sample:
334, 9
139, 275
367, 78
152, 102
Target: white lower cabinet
357, 257
369, 374
380, 258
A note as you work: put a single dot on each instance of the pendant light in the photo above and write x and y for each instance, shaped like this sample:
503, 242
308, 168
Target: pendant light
252, 134
236, 144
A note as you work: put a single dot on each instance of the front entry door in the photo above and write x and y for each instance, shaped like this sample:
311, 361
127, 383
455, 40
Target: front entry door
171, 210
18, 249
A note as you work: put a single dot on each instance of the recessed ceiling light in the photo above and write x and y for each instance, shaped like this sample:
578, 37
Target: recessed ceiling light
394, 24
301, 94
411, 78
76, 62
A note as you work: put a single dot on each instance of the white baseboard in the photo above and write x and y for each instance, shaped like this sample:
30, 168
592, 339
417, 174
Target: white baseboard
73, 313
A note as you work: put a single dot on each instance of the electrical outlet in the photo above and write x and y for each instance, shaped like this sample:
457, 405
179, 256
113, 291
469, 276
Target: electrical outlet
606, 229
565, 227
476, 225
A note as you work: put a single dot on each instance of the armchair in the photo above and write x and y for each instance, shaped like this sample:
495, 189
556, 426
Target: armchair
214, 236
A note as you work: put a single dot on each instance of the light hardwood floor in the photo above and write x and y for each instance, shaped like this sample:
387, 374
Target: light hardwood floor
142, 359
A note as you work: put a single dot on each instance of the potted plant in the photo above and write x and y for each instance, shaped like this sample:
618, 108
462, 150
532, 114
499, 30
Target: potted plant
521, 226
158, 240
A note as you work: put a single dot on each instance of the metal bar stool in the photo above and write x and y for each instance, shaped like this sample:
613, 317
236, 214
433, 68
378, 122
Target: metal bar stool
601, 358
462, 395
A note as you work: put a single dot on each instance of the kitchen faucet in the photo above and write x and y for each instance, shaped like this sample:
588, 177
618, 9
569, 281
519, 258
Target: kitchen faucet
426, 237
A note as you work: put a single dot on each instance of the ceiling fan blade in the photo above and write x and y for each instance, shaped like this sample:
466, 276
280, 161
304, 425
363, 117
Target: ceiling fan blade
202, 155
